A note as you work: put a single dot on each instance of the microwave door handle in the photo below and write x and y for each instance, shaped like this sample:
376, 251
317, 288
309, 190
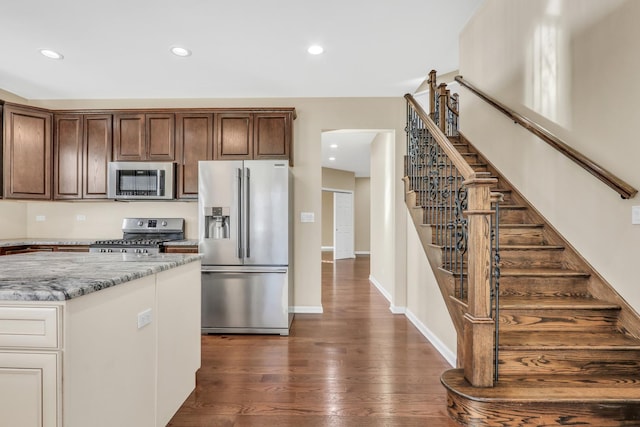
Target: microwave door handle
240, 216
158, 183
248, 211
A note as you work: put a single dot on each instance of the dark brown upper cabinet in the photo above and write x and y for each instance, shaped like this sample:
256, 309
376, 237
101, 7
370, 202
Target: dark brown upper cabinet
96, 155
82, 151
67, 156
194, 142
235, 136
271, 135
252, 135
27, 150
140, 136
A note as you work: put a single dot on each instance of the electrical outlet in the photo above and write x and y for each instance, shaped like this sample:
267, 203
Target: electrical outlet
81, 218
40, 218
144, 318
635, 214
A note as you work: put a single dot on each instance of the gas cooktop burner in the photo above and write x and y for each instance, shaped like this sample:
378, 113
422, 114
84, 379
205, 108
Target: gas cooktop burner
143, 236
131, 242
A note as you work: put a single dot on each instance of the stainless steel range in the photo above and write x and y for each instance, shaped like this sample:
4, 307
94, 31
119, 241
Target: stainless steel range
143, 236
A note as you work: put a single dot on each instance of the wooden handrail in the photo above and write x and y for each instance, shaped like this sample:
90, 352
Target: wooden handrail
459, 162
625, 190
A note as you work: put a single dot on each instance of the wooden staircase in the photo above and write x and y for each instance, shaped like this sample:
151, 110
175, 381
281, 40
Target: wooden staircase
568, 348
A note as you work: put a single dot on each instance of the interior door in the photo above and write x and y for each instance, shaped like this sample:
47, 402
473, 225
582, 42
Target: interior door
343, 236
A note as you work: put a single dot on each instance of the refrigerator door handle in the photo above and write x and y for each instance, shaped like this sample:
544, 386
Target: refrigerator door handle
214, 270
248, 212
240, 213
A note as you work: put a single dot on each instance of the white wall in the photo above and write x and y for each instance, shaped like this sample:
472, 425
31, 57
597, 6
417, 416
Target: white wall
573, 67
314, 116
383, 215
362, 213
425, 305
13, 220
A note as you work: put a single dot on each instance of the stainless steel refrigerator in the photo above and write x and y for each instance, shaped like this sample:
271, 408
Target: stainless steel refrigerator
245, 236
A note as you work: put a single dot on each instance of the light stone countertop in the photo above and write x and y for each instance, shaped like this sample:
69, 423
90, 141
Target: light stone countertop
62, 241
60, 276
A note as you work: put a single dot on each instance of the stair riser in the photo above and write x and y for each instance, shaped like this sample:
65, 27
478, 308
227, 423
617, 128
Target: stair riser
508, 236
558, 320
475, 413
521, 236
512, 216
531, 258
569, 361
543, 286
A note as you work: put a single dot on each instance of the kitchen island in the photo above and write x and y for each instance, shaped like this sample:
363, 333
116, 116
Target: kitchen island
97, 339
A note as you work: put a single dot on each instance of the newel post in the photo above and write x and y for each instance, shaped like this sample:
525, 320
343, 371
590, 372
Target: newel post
478, 325
442, 107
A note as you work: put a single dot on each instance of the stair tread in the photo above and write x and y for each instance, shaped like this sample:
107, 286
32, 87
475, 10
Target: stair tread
509, 247
541, 272
566, 340
548, 388
521, 226
554, 302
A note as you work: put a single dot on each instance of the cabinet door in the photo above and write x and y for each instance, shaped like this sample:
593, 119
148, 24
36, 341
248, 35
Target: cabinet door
67, 156
27, 153
129, 137
194, 141
29, 385
160, 137
272, 136
235, 136
96, 155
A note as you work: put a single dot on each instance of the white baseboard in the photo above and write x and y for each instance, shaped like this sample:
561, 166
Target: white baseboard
382, 290
433, 339
363, 253
398, 310
307, 309
392, 308
327, 248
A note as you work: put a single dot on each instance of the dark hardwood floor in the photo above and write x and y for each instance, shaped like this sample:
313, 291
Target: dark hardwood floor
354, 365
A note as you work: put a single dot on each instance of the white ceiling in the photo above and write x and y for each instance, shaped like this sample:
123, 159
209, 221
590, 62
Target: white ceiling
349, 149
241, 49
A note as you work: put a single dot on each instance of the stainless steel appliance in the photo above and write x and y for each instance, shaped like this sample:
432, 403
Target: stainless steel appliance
141, 180
245, 237
143, 236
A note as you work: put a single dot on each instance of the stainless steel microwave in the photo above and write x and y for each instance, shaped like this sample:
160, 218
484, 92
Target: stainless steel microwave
141, 180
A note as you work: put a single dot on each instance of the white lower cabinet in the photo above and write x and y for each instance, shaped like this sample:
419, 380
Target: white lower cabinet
30, 365
125, 356
29, 389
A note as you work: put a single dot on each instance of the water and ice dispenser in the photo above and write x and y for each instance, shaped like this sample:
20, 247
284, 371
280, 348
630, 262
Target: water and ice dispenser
216, 222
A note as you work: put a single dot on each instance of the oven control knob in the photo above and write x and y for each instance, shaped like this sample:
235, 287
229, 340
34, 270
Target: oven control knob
164, 223
140, 223
123, 250
109, 250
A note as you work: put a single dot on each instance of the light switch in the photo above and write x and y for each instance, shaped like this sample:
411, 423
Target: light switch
81, 217
635, 214
307, 217
40, 218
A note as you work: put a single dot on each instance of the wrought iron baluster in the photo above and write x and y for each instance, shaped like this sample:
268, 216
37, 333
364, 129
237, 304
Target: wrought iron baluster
495, 285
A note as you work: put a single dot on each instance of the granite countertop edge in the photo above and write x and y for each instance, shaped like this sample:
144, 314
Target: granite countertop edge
70, 275
71, 242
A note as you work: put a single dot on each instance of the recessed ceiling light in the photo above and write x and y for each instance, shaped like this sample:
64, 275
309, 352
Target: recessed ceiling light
180, 51
315, 49
334, 146
332, 158
52, 54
